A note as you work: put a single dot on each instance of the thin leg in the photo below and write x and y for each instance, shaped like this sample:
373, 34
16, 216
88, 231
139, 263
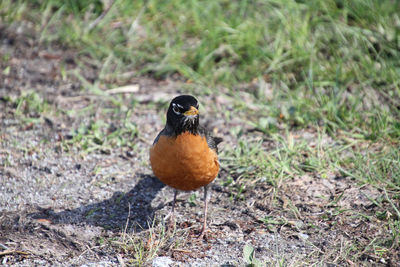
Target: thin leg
173, 203
171, 215
205, 214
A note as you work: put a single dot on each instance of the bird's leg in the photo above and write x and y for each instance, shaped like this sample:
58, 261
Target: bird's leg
171, 215
173, 204
205, 214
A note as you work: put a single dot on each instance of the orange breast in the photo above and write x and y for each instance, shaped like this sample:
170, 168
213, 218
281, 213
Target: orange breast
185, 162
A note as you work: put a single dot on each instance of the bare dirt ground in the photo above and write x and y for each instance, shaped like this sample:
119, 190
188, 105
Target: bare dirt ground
67, 208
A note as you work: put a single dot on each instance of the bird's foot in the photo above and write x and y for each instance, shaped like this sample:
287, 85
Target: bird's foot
170, 221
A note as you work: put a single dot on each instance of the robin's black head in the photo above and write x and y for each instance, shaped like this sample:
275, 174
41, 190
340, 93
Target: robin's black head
183, 114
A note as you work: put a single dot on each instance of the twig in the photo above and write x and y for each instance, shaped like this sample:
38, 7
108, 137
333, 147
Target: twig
9, 252
99, 18
89, 249
4, 246
124, 89
182, 250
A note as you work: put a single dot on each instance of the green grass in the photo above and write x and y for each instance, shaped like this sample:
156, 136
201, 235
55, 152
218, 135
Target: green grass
250, 161
99, 135
330, 62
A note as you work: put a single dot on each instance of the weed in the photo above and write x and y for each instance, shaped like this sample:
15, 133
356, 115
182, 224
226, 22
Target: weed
192, 200
142, 248
250, 257
30, 104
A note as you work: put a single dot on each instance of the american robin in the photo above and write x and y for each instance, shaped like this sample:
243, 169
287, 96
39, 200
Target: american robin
184, 154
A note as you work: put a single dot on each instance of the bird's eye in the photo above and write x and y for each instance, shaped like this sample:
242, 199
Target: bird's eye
175, 108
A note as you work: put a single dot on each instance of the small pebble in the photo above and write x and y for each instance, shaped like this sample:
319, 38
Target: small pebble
162, 262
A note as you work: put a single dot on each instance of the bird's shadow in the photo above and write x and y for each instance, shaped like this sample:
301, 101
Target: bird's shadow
113, 213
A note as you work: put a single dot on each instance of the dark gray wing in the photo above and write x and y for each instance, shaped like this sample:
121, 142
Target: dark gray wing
211, 140
166, 131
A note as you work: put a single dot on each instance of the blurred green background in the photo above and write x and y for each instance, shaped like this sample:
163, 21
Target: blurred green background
335, 61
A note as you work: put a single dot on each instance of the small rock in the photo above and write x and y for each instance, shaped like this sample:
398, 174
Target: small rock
97, 264
162, 262
303, 236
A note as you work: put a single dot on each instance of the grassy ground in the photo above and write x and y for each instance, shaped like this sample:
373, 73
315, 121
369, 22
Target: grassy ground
286, 68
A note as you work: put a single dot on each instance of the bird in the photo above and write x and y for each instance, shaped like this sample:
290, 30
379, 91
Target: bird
184, 155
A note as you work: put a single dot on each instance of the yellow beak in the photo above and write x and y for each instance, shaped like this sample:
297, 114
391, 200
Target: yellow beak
191, 112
